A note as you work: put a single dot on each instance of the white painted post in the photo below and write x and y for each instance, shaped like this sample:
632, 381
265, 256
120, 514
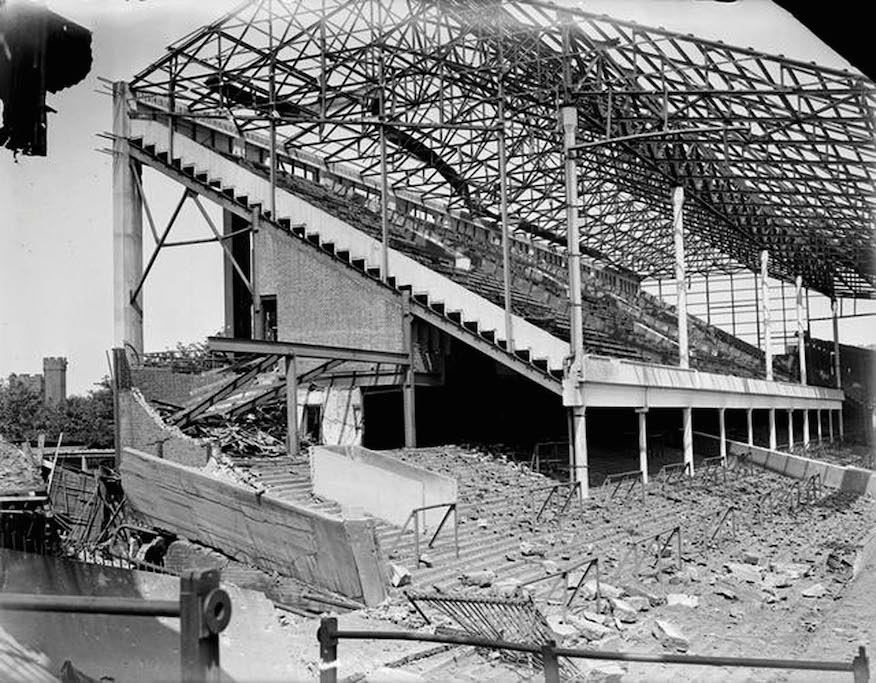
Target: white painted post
773, 441
790, 429
127, 230
830, 423
801, 341
750, 419
579, 429
765, 314
680, 283
839, 421
836, 348
818, 413
643, 442
722, 425
291, 406
806, 428
687, 438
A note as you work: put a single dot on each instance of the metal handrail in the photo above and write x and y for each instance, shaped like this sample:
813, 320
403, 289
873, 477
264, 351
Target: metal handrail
673, 472
634, 546
535, 460
203, 608
563, 574
328, 637
632, 477
573, 486
710, 467
415, 516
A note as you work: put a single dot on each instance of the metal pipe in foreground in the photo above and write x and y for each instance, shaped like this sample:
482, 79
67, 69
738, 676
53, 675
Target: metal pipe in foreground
329, 635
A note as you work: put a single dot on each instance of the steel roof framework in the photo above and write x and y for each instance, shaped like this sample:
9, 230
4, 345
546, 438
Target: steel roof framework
797, 181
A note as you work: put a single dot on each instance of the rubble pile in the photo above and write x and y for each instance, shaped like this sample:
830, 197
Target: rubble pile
770, 583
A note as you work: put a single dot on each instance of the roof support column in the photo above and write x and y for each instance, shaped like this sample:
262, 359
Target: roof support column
573, 396
773, 441
291, 406
580, 464
840, 426
409, 387
765, 314
830, 424
503, 204
680, 284
801, 336
806, 428
749, 418
790, 429
722, 431
834, 312
127, 230
687, 439
643, 442
818, 416
258, 321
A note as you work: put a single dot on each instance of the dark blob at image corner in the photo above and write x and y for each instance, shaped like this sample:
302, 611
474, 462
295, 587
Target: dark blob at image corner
40, 52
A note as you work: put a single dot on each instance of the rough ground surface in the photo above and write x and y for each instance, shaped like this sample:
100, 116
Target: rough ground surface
763, 593
856, 455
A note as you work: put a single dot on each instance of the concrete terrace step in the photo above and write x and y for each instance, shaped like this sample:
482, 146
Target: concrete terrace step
546, 352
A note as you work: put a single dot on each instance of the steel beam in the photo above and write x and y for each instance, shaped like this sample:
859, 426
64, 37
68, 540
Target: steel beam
680, 282
305, 350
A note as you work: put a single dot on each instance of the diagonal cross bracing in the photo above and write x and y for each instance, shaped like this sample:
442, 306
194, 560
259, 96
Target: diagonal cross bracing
800, 180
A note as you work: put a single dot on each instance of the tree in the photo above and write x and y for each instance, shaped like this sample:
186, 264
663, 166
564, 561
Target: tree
85, 420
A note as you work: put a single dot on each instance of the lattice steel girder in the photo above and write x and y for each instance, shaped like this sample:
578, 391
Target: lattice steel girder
800, 181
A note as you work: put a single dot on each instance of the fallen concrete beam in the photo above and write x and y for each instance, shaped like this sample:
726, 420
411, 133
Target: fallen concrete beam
339, 555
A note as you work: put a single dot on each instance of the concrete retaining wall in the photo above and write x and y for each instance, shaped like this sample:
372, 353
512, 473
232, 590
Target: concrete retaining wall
339, 555
850, 479
379, 484
252, 648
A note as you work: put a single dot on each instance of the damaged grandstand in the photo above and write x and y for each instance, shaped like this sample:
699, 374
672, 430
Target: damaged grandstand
450, 224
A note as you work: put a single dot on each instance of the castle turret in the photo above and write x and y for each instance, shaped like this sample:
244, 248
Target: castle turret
54, 380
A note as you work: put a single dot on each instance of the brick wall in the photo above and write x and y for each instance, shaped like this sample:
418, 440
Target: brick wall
167, 386
321, 302
142, 428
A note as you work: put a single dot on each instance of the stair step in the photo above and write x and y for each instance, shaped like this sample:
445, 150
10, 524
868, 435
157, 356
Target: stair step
437, 306
422, 298
313, 238
137, 141
358, 264
285, 223
471, 325
202, 177
343, 254
455, 316
540, 363
189, 170
522, 354
176, 163
328, 247
149, 149
391, 281
298, 230
489, 335
374, 272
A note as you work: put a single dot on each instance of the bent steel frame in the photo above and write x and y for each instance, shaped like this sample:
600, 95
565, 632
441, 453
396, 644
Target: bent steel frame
436, 80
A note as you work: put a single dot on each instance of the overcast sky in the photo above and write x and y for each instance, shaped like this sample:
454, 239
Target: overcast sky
56, 212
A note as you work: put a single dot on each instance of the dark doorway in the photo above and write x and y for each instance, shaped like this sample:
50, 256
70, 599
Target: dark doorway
383, 423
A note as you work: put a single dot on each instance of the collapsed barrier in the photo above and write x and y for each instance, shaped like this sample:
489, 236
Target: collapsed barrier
203, 608
328, 636
561, 578
658, 544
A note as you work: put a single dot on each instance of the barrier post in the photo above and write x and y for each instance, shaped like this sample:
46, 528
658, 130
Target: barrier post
550, 663
861, 666
328, 650
204, 612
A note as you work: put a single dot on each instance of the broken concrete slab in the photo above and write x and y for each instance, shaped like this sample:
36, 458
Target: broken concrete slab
623, 610
483, 578
744, 572
399, 575
670, 635
814, 591
682, 599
